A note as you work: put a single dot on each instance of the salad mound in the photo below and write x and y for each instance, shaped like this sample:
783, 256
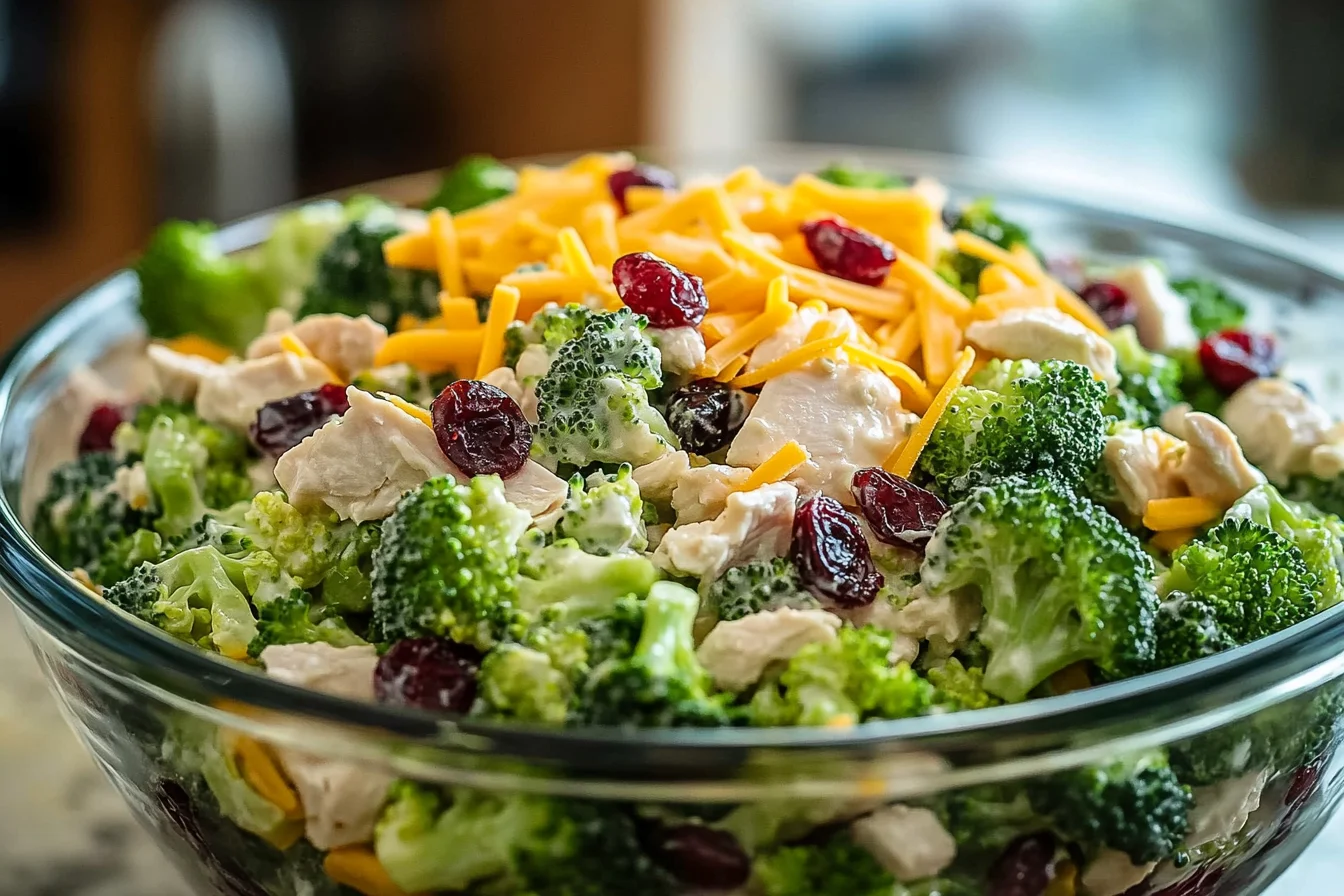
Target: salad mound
579, 446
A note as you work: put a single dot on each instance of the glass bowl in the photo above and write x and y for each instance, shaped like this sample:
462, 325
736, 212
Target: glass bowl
1266, 712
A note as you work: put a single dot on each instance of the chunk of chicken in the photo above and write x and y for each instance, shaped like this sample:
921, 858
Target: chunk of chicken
347, 345
1222, 809
342, 671
1327, 460
132, 486
945, 620
531, 367
1163, 316
847, 417
534, 489
682, 348
1143, 464
261, 473
232, 394
736, 653
506, 380
1043, 334
1112, 872
908, 841
754, 525
657, 480
1211, 465
178, 377
794, 333
702, 492
1278, 424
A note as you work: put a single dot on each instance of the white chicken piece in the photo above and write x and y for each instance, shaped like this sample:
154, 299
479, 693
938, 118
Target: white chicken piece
532, 365
132, 486
908, 841
534, 489
506, 380
360, 464
1327, 460
945, 620
1212, 464
682, 348
341, 799
278, 320
847, 417
657, 480
347, 345
736, 653
233, 393
701, 492
1142, 462
1222, 809
754, 525
794, 333
1112, 872
1278, 424
261, 473
1163, 315
178, 377
1043, 334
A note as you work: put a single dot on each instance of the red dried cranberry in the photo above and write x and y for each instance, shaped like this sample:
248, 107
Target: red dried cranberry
702, 857
1233, 358
97, 434
429, 673
844, 251
639, 176
481, 429
1025, 868
832, 555
1112, 304
900, 513
664, 293
706, 415
284, 423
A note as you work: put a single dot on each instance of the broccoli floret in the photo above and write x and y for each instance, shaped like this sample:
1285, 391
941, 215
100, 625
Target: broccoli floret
295, 620
591, 849
852, 175
1060, 579
1319, 537
447, 562
1326, 495
1019, 419
188, 286
963, 270
223, 447
348, 585
840, 867
353, 279
759, 586
552, 327
1149, 383
983, 820
191, 466
473, 181
593, 402
1136, 806
605, 516
288, 258
1196, 390
843, 681
578, 583
662, 684
1211, 308
960, 687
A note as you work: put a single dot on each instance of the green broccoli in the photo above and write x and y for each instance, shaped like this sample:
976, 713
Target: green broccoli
1211, 308
1060, 579
838, 866
984, 819
979, 217
551, 327
473, 181
522, 683
960, 687
592, 849
1019, 419
446, 563
581, 584
605, 516
1196, 390
662, 684
759, 586
188, 286
1150, 383
1319, 537
348, 584
288, 258
294, 619
353, 279
840, 682
594, 401
191, 466
226, 479
844, 174
1326, 495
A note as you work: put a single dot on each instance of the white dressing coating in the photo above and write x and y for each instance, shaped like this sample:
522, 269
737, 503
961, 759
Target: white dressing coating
755, 525
1163, 321
531, 367
132, 486
506, 380
682, 348
1211, 463
702, 492
1044, 334
736, 653
794, 333
233, 393
657, 480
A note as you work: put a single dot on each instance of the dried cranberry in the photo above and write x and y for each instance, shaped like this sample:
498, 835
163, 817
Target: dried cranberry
664, 293
1112, 304
481, 429
899, 512
429, 673
844, 251
706, 415
97, 434
226, 876
1025, 868
702, 857
1233, 358
832, 555
639, 176
284, 423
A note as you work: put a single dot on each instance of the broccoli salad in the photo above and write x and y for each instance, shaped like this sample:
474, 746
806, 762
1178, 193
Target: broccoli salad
582, 446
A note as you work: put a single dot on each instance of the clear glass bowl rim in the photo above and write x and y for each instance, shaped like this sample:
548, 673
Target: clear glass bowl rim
1182, 700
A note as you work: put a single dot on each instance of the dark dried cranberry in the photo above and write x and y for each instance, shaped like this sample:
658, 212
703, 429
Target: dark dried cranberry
284, 423
664, 293
1233, 358
639, 176
899, 512
481, 429
1025, 868
706, 415
702, 857
225, 873
1112, 304
429, 673
844, 251
97, 434
832, 555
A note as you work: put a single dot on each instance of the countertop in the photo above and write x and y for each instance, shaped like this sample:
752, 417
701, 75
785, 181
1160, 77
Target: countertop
65, 832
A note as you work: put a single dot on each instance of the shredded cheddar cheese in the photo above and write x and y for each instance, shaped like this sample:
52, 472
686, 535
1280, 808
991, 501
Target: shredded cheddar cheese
262, 773
446, 258
1167, 514
1172, 539
411, 250
992, 305
778, 311
903, 460
776, 467
733, 368
503, 309
198, 346
414, 410
358, 868
1030, 273
939, 337
432, 351
801, 356
294, 346
997, 278
458, 313
912, 387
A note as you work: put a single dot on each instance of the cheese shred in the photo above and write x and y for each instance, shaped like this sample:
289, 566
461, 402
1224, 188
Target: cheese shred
903, 460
